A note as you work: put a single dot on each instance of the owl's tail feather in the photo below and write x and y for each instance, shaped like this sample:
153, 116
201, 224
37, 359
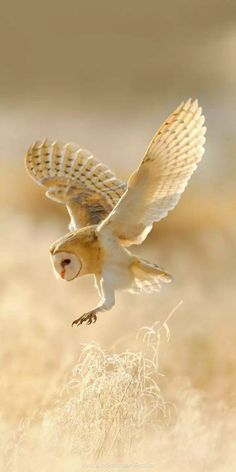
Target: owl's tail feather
147, 276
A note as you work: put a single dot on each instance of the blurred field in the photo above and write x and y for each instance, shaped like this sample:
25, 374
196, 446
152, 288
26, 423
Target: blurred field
39, 349
105, 75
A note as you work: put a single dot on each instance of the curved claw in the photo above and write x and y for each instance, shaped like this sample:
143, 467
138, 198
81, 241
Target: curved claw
87, 318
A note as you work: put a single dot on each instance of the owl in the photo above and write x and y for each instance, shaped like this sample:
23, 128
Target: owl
108, 215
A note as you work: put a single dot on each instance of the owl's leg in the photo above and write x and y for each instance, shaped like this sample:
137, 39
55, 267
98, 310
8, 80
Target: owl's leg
107, 302
98, 285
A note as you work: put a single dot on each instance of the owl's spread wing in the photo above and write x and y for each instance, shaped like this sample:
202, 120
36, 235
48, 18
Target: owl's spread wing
155, 187
73, 176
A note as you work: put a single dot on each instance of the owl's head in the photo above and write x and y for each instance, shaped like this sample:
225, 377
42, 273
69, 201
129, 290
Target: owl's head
66, 265
65, 260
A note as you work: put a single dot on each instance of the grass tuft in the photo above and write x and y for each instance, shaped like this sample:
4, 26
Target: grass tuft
112, 401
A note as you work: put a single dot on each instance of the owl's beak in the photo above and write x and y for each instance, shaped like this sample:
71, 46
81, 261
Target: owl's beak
63, 270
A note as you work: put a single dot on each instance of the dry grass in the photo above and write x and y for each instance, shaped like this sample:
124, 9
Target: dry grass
111, 415
124, 404
111, 403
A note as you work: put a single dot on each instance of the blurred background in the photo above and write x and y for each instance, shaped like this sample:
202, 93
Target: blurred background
105, 75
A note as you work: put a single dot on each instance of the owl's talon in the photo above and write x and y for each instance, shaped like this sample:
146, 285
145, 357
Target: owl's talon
87, 318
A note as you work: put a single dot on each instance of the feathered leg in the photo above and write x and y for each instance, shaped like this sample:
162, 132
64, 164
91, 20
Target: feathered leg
98, 285
107, 291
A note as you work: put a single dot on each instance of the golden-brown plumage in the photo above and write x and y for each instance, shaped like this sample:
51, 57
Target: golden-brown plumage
74, 177
86, 244
110, 213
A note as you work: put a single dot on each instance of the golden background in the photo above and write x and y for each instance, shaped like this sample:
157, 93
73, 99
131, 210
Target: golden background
106, 74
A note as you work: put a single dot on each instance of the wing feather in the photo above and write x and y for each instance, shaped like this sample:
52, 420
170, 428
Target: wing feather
73, 176
156, 186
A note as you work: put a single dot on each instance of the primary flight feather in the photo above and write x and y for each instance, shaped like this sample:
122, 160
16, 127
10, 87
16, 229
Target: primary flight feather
106, 214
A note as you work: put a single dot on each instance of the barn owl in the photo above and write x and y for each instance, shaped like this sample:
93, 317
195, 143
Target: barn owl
108, 215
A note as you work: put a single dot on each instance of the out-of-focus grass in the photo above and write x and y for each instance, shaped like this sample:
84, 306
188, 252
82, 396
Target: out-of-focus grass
111, 411
41, 428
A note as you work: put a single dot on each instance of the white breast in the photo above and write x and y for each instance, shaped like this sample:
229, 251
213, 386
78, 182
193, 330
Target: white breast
117, 261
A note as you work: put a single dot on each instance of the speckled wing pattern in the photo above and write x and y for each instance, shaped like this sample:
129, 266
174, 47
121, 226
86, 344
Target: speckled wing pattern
156, 186
73, 176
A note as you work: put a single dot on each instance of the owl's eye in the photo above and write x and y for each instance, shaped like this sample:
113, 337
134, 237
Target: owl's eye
66, 262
